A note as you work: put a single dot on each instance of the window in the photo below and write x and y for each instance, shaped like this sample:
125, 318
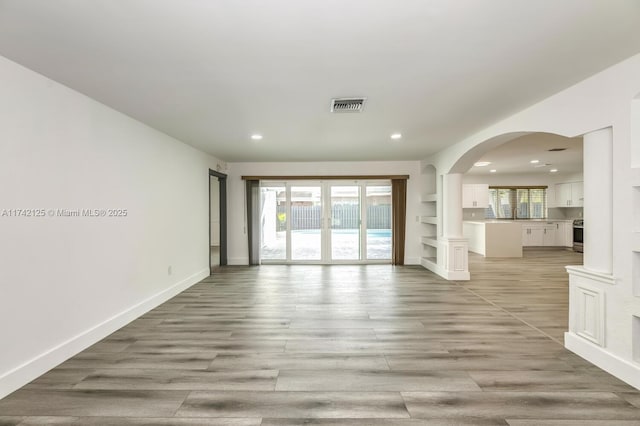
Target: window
523, 202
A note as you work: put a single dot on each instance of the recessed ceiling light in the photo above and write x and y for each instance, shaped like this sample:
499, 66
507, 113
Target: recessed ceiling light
534, 161
396, 136
256, 137
492, 171
482, 163
553, 170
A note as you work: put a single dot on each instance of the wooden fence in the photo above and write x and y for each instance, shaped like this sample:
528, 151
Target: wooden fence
345, 216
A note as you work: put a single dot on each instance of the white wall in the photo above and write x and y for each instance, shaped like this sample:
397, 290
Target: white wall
236, 227
603, 100
66, 282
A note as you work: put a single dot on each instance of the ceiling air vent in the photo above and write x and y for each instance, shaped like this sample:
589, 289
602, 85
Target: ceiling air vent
347, 104
557, 149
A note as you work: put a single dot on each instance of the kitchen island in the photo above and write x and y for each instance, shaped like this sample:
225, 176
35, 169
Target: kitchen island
494, 238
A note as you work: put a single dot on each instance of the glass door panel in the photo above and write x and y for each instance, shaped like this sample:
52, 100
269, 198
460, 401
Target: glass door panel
273, 222
306, 223
378, 222
314, 222
345, 223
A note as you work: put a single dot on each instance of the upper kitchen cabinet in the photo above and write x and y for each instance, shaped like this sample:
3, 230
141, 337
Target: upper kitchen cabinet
475, 196
570, 194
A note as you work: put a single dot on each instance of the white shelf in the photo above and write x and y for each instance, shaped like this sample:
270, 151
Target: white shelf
429, 262
429, 241
635, 176
635, 338
635, 241
429, 198
433, 220
635, 274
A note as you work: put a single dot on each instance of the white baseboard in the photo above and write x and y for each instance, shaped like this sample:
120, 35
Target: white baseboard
457, 275
624, 370
432, 266
35, 367
447, 275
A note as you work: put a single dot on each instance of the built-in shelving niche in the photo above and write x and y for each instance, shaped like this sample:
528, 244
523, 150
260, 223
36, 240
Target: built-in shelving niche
429, 217
635, 273
635, 338
429, 220
635, 224
635, 199
635, 234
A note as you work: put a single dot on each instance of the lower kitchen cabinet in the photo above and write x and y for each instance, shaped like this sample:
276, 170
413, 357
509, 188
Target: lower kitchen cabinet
547, 234
564, 234
532, 235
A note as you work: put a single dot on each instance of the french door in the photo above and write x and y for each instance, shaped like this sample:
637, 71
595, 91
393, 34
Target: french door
326, 222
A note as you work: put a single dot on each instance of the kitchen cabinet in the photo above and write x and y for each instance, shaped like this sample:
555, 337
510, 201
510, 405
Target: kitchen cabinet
570, 194
564, 234
547, 234
533, 236
568, 234
475, 196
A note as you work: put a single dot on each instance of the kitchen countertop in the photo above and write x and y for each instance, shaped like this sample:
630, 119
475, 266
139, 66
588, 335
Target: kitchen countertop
483, 221
494, 238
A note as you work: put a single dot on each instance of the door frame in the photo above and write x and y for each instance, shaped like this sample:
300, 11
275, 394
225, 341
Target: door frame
326, 220
222, 182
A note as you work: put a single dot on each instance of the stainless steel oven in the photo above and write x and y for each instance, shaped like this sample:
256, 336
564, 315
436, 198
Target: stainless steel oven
578, 235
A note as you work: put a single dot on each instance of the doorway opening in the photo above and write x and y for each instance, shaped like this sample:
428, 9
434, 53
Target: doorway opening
217, 219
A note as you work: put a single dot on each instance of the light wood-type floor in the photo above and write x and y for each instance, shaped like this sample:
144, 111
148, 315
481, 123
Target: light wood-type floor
341, 345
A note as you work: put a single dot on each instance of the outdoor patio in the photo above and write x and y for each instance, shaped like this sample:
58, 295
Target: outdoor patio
345, 245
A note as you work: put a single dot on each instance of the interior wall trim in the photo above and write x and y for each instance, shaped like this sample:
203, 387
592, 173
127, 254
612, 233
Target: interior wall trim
35, 367
327, 177
609, 362
222, 182
599, 277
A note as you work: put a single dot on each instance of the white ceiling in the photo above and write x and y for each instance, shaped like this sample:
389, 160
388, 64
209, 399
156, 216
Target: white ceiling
515, 157
211, 73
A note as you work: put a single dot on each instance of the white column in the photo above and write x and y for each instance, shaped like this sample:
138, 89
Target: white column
589, 284
452, 200
453, 260
598, 201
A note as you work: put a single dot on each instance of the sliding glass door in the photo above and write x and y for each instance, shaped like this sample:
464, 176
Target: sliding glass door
306, 223
378, 222
326, 222
273, 222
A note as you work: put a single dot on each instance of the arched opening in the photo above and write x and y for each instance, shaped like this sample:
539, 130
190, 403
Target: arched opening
466, 160
476, 153
528, 175
520, 235
635, 132
635, 201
